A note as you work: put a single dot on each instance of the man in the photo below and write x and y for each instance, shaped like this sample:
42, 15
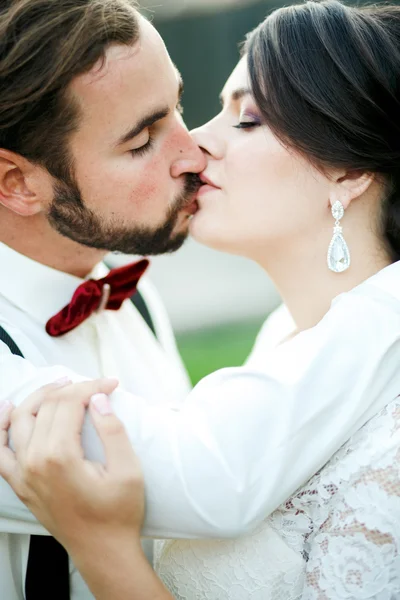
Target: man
94, 157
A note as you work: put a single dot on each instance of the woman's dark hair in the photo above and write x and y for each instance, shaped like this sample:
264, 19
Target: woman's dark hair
326, 78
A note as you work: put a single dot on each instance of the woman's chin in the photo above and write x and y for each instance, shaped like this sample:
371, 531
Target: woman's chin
206, 232
199, 230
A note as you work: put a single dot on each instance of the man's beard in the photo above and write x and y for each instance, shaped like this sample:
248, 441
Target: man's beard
70, 217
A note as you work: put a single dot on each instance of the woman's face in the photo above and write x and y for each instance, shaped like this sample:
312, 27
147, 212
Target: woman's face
263, 196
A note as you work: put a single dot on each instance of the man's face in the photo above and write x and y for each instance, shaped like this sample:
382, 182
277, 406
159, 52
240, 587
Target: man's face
134, 159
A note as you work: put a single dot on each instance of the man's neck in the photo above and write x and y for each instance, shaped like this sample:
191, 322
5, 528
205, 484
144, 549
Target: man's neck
33, 237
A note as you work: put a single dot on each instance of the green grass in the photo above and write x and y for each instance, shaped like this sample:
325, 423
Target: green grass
205, 351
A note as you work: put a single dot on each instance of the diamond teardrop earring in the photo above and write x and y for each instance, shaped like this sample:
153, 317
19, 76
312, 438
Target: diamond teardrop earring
338, 251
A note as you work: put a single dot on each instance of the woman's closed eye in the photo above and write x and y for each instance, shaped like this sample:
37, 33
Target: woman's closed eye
248, 122
246, 125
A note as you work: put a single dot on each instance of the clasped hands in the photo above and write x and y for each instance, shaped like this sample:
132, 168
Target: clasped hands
75, 499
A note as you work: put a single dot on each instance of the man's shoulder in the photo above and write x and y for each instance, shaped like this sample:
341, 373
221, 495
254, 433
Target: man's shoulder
11, 331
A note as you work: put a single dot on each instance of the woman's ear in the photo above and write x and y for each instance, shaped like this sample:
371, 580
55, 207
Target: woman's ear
349, 186
19, 186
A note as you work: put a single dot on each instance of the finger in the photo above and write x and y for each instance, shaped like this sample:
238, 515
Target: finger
6, 409
8, 462
56, 435
32, 403
23, 418
84, 390
120, 456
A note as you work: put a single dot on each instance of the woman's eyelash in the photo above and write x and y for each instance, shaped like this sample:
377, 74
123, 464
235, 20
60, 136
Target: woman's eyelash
246, 125
143, 149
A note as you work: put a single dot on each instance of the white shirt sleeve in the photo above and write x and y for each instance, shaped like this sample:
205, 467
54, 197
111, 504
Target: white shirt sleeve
246, 439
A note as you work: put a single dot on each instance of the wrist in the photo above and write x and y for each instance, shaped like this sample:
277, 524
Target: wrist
104, 547
115, 568
102, 560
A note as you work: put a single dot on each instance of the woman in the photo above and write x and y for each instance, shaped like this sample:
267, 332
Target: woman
302, 177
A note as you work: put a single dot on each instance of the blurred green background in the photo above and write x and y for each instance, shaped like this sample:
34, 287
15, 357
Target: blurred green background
212, 348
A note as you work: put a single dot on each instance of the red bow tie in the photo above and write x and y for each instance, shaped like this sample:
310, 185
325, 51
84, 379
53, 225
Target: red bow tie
97, 294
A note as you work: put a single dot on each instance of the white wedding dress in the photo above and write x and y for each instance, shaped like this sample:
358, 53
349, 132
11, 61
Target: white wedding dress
337, 538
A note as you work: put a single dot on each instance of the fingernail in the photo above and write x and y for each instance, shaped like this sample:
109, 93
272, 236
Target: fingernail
102, 404
62, 381
4, 406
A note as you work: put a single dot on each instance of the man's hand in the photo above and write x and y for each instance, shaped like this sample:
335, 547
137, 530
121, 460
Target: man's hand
75, 499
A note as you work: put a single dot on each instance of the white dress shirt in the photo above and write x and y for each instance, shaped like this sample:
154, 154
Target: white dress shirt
108, 344
245, 438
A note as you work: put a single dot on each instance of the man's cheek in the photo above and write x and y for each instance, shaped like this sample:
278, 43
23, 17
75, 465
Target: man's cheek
148, 191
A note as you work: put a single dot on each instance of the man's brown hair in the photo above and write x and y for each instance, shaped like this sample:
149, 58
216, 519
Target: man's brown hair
44, 45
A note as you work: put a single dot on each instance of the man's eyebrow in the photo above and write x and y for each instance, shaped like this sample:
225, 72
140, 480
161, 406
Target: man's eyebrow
180, 82
236, 95
149, 119
145, 122
180, 89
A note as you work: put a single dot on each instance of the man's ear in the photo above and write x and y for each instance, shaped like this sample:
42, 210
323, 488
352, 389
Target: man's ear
19, 184
350, 185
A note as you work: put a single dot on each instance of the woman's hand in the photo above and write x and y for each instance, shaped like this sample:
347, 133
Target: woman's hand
75, 499
95, 511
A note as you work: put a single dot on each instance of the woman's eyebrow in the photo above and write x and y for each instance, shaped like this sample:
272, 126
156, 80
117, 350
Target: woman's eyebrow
235, 95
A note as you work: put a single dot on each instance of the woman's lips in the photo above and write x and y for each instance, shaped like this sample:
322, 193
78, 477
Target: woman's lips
206, 188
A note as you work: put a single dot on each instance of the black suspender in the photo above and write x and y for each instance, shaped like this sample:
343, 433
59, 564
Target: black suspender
47, 575
138, 301
4, 337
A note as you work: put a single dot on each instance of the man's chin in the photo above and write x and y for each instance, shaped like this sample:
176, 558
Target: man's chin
177, 242
174, 243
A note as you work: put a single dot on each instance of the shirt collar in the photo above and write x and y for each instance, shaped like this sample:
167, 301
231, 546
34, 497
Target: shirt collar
388, 279
35, 288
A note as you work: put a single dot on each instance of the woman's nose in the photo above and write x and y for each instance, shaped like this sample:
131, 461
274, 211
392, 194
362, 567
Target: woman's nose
207, 138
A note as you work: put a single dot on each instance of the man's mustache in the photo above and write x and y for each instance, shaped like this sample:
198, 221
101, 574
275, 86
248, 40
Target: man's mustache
191, 187
192, 184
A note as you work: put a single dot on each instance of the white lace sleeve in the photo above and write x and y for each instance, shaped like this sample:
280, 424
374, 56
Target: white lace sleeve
355, 553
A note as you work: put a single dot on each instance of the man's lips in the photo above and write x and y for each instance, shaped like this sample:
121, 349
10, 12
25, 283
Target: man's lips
191, 208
